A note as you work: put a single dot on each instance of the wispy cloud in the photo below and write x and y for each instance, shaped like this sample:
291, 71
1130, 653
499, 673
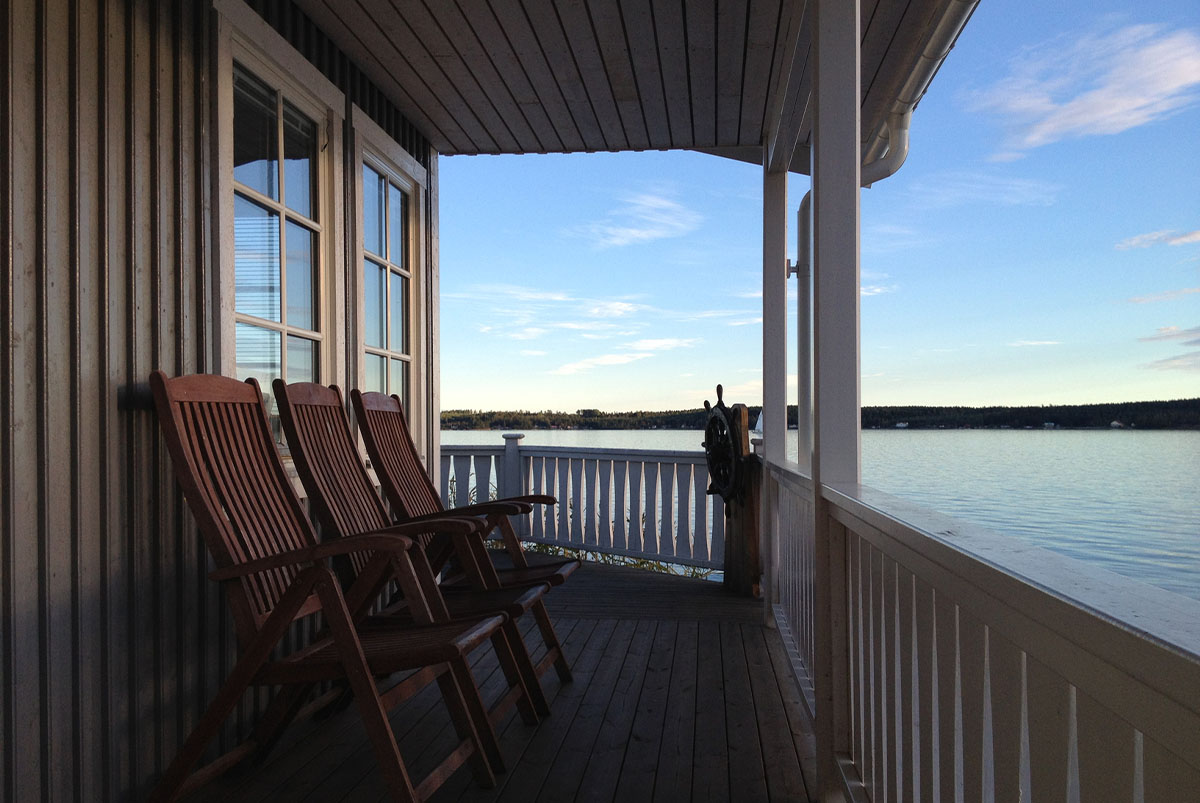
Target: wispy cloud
746, 321
876, 289
641, 218
1024, 343
1169, 295
1191, 337
1101, 82
604, 359
613, 309
949, 189
1184, 362
664, 344
532, 353
527, 333
1158, 237
513, 292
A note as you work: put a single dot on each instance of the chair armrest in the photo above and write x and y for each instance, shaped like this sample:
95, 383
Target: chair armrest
504, 507
310, 554
531, 499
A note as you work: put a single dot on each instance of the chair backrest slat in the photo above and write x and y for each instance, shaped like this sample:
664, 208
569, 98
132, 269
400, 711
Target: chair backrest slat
328, 462
227, 463
389, 443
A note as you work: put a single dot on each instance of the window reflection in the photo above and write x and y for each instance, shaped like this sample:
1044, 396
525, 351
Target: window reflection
256, 259
254, 130
299, 156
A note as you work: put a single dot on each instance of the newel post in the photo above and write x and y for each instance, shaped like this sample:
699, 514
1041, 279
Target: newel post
513, 481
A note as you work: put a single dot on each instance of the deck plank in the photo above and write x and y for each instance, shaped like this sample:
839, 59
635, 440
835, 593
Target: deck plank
680, 693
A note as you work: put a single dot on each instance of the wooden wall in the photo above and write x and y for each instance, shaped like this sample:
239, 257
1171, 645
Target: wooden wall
112, 638
111, 633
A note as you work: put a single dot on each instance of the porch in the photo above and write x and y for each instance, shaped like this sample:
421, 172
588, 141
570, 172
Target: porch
680, 692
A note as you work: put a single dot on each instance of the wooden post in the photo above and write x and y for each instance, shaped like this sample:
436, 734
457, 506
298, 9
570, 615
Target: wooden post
513, 480
836, 447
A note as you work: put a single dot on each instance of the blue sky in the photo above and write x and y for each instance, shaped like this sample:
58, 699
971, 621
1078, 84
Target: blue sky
1040, 246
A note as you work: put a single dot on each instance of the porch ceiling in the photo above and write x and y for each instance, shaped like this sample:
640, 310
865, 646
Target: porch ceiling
557, 76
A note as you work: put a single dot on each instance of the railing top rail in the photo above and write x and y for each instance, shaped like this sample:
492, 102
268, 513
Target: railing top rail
1057, 608
465, 448
586, 453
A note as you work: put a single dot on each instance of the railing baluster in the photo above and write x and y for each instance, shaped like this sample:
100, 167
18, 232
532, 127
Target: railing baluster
593, 509
949, 739
605, 537
578, 512
483, 477
650, 530
552, 514
700, 548
683, 538
445, 486
718, 531
536, 466
564, 501
620, 506
971, 669
1107, 752
462, 480
635, 507
1049, 731
1006, 677
666, 524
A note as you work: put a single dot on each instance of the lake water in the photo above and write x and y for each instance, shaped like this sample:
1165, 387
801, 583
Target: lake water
1125, 500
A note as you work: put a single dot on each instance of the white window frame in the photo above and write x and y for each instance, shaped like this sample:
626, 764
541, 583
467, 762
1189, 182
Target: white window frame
246, 38
373, 146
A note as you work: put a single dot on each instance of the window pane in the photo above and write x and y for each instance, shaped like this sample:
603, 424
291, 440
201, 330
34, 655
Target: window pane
399, 381
299, 159
256, 259
376, 367
301, 359
397, 226
258, 356
398, 333
301, 273
374, 300
255, 147
374, 188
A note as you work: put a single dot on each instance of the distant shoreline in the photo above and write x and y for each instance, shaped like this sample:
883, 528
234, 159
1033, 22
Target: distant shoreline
1179, 414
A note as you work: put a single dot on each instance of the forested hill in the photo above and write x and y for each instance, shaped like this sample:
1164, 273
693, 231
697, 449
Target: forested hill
1178, 414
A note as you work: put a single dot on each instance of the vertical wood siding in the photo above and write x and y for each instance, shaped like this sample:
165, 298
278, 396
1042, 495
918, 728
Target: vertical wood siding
105, 277
112, 640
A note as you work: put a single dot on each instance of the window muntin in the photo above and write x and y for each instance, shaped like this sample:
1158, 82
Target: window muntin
278, 232
387, 278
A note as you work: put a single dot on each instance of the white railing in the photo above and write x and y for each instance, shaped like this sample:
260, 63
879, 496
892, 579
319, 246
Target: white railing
966, 665
633, 502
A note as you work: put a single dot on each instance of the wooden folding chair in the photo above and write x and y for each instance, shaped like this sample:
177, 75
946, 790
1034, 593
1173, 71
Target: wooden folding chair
274, 572
412, 497
344, 500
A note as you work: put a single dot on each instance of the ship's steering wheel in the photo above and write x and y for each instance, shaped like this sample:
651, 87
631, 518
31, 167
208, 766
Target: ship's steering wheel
719, 452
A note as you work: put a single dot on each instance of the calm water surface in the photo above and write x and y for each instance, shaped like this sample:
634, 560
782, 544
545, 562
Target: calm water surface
1128, 501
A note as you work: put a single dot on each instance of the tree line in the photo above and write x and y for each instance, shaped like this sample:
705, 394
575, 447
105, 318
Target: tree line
1175, 414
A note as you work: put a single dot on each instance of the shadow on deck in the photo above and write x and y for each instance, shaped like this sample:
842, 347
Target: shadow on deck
680, 693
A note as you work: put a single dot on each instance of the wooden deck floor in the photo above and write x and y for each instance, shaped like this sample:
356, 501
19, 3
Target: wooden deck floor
680, 693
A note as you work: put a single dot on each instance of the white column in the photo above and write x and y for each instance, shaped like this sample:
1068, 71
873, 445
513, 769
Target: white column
836, 173
774, 352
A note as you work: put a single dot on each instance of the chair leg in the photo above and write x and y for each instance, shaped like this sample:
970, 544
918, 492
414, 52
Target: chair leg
551, 639
366, 693
477, 713
518, 670
279, 714
468, 726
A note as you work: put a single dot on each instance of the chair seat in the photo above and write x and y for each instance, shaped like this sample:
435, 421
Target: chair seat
387, 650
555, 574
510, 601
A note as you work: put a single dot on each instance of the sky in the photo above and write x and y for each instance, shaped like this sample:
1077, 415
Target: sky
1041, 245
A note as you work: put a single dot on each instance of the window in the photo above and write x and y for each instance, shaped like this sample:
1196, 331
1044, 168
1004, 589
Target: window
387, 281
277, 232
